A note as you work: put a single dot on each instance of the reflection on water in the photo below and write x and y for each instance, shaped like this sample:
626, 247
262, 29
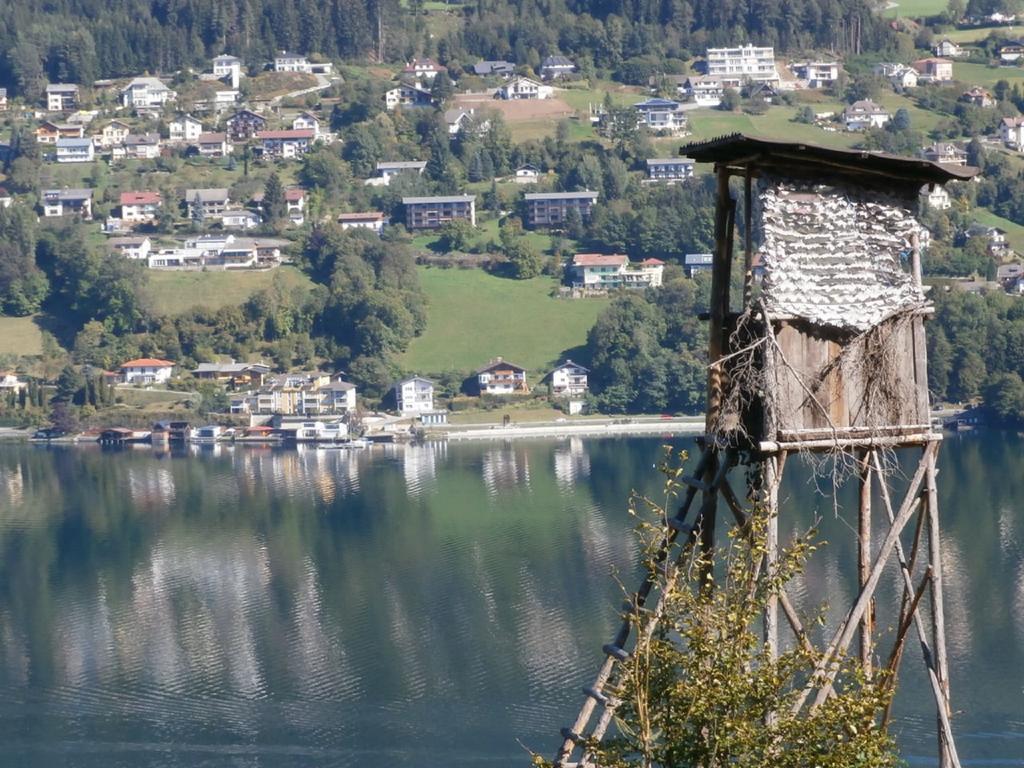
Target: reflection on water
408, 605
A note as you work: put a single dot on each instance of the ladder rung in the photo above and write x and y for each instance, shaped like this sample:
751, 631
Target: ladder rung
570, 735
695, 483
597, 696
613, 650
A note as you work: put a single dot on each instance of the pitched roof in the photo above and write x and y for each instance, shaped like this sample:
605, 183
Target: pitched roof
599, 260
566, 363
211, 138
362, 216
206, 195
502, 362
770, 155
126, 242
284, 135
293, 193
139, 198
147, 362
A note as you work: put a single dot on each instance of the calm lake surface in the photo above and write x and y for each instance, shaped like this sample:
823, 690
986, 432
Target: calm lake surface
405, 606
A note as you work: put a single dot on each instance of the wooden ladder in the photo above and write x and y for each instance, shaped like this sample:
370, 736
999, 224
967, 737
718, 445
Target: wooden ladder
707, 478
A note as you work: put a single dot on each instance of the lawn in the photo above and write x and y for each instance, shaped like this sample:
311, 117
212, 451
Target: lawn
916, 9
1014, 232
174, 293
20, 336
474, 317
582, 99
776, 123
977, 34
984, 75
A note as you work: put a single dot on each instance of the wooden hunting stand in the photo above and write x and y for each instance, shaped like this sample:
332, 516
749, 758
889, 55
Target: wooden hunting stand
828, 357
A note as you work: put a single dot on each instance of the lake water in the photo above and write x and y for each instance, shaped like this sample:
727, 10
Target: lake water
425, 606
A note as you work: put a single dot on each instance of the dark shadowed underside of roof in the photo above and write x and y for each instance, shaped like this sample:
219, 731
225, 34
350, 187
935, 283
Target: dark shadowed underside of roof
804, 159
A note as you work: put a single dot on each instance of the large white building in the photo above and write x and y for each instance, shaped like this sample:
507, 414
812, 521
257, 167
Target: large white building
146, 93
747, 63
598, 272
414, 395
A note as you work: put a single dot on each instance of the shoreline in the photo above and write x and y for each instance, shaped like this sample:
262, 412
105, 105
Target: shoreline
640, 425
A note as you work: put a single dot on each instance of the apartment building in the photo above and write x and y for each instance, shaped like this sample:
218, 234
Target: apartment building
434, 212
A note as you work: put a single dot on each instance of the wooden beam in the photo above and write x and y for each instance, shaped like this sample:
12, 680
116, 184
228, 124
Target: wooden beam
947, 752
719, 305
828, 667
748, 237
938, 612
771, 554
864, 557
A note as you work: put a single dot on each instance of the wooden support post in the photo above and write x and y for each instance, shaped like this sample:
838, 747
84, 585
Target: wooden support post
864, 558
828, 666
748, 238
771, 555
915, 258
938, 613
947, 754
719, 304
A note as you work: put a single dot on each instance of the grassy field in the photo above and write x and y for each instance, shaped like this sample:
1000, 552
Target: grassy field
776, 123
173, 293
977, 34
986, 76
474, 317
20, 336
1014, 232
916, 9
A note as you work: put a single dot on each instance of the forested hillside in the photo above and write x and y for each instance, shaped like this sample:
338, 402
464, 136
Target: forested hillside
81, 40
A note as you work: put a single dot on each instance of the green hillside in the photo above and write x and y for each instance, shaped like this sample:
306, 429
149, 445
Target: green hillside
174, 293
474, 316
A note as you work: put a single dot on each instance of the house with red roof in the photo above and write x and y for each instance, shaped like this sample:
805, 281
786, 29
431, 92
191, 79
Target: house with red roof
137, 207
425, 69
146, 370
605, 272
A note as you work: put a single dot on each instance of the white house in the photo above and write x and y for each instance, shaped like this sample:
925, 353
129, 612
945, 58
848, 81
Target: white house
865, 114
291, 62
425, 69
661, 115
147, 370
500, 377
295, 205
146, 93
140, 206
213, 144
746, 63
284, 144
946, 153
569, 379
406, 95
75, 151
9, 382
61, 97
210, 201
817, 74
388, 169
375, 221
414, 395
595, 271
705, 91
1011, 52
184, 128
1011, 129
229, 67
935, 197
307, 122
524, 88
900, 75
933, 70
113, 133
947, 49
669, 169
237, 219
66, 202
139, 147
137, 248
554, 67
527, 174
